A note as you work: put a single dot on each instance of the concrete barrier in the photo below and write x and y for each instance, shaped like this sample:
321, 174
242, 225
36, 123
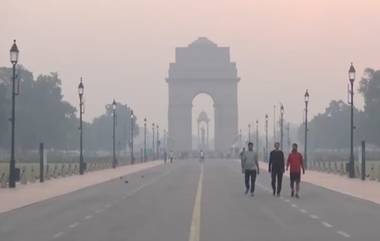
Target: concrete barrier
342, 169
372, 173
357, 170
32, 175
24, 178
4, 180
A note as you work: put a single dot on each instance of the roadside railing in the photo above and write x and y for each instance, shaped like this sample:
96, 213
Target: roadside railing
30, 172
340, 168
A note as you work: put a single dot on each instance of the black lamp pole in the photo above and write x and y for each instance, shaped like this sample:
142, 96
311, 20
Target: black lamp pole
351, 77
266, 137
114, 161
153, 149
132, 127
257, 137
145, 159
306, 123
249, 132
14, 52
282, 127
158, 141
81, 111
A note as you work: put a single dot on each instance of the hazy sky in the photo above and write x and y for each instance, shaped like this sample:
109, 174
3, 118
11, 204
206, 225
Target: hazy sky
122, 48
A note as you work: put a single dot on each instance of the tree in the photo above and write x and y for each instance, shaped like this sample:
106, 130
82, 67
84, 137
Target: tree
331, 129
370, 89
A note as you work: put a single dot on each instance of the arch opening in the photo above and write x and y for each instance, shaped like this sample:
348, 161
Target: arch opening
203, 122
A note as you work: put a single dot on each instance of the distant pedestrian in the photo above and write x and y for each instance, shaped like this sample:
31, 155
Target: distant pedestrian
241, 159
171, 156
202, 156
251, 169
276, 168
295, 162
165, 157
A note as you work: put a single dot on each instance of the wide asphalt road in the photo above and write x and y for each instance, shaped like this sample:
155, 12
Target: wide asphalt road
187, 201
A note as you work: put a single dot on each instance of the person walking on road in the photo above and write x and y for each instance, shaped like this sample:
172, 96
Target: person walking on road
171, 156
251, 169
202, 156
276, 168
295, 162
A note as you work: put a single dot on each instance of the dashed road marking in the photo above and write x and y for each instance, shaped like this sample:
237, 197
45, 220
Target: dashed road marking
314, 216
344, 234
99, 211
196, 219
294, 206
73, 225
303, 211
57, 235
88, 217
327, 225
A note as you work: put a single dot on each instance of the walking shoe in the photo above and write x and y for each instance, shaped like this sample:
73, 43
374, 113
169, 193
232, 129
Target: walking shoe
292, 194
274, 193
246, 192
278, 194
252, 194
297, 196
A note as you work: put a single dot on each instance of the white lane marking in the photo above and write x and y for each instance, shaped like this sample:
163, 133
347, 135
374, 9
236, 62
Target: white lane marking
99, 211
57, 235
327, 225
294, 206
196, 220
88, 217
73, 225
314, 216
287, 200
303, 211
149, 183
344, 234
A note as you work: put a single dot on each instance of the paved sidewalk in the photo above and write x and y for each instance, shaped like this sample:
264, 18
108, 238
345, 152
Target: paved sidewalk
24, 195
367, 190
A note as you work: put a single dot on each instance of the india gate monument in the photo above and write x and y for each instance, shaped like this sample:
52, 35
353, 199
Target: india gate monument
202, 68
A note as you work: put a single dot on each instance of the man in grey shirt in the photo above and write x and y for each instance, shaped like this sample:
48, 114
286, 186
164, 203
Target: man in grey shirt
250, 168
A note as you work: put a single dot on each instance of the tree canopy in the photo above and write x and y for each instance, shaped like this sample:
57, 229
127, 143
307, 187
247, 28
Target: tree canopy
42, 115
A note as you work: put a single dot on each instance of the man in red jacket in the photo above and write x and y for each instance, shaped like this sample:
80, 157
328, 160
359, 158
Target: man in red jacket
295, 161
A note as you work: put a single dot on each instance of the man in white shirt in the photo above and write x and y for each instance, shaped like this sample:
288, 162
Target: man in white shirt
251, 169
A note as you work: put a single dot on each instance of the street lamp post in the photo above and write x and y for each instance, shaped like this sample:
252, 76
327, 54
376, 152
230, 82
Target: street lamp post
282, 127
257, 137
240, 138
306, 123
274, 125
153, 146
14, 52
351, 77
145, 159
81, 112
114, 161
266, 137
249, 132
158, 141
132, 127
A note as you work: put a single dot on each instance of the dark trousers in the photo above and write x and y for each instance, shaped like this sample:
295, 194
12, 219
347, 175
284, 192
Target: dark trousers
276, 175
250, 175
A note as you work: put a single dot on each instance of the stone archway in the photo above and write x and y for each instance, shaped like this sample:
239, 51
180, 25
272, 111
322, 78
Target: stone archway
202, 67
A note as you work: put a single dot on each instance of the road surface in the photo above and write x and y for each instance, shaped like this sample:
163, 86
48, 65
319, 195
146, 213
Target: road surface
187, 201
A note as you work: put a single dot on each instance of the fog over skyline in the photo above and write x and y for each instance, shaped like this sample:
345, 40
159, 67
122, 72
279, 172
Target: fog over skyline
123, 48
